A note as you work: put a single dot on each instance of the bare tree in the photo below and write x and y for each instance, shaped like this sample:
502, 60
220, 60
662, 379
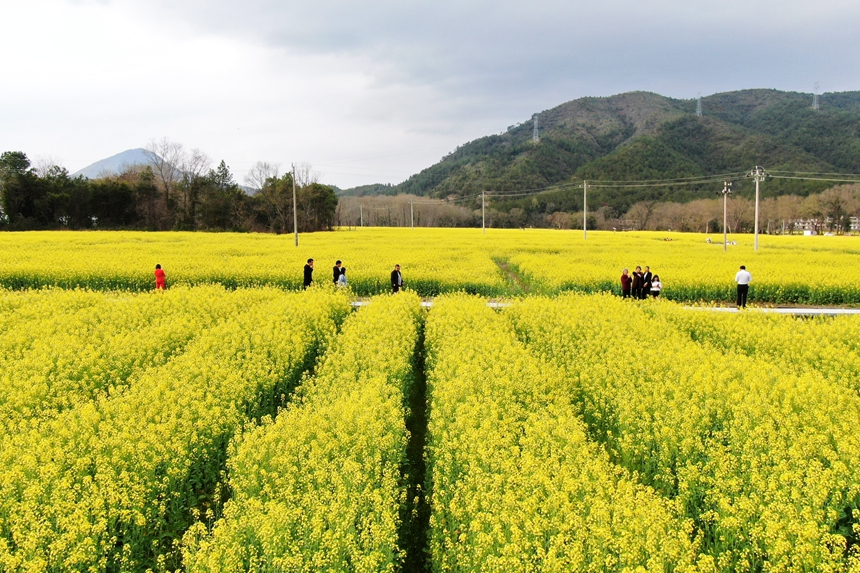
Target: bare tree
194, 165
387, 210
787, 212
641, 213
836, 205
44, 164
177, 174
559, 220
277, 194
259, 173
741, 212
811, 210
305, 175
166, 158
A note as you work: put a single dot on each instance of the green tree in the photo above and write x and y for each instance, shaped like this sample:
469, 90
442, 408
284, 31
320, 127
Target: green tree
317, 204
221, 200
14, 166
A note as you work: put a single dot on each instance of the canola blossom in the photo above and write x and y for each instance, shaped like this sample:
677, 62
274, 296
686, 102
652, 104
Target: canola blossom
320, 488
229, 424
82, 353
515, 484
762, 459
502, 262
829, 346
112, 483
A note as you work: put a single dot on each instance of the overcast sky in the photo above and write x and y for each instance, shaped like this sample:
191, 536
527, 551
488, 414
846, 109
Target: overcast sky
375, 91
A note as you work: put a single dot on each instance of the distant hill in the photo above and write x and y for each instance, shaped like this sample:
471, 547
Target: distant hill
640, 135
114, 165
363, 190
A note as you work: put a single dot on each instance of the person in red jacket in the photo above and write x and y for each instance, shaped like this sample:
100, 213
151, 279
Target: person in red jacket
159, 278
626, 281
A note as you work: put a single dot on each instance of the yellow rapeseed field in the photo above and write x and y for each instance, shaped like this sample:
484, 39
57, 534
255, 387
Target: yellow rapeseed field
817, 270
238, 423
759, 452
320, 488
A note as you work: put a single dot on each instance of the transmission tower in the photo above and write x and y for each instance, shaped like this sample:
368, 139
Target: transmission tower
699, 105
815, 105
535, 135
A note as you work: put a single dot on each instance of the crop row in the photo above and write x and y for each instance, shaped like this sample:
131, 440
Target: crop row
112, 484
515, 484
760, 458
577, 433
320, 488
827, 346
100, 348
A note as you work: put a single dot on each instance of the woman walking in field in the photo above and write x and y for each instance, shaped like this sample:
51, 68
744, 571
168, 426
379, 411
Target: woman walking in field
159, 278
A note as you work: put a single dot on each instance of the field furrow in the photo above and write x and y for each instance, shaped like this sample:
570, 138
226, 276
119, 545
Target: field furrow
321, 488
103, 348
514, 482
111, 485
761, 460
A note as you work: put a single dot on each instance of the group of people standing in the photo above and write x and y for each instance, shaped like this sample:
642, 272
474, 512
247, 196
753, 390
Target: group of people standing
339, 275
640, 284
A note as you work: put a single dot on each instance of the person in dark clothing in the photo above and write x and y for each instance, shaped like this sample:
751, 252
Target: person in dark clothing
336, 272
626, 281
309, 274
646, 282
396, 279
636, 286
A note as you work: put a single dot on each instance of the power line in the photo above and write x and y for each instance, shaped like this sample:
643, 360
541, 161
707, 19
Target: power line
644, 183
817, 173
831, 180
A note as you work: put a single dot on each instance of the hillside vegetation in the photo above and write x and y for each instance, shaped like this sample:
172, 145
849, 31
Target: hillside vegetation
640, 135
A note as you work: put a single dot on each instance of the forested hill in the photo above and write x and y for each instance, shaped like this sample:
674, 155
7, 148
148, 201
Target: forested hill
639, 135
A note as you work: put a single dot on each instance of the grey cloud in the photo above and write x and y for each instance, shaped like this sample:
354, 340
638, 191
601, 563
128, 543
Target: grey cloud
528, 47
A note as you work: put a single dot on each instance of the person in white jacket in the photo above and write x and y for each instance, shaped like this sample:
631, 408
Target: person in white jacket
656, 286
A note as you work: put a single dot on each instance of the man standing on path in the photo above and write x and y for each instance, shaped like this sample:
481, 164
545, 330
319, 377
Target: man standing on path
309, 274
336, 271
743, 278
396, 279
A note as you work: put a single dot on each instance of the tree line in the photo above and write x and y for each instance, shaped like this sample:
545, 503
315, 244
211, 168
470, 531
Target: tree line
176, 190
829, 211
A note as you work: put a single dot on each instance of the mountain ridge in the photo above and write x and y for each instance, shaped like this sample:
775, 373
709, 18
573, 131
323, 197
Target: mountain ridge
114, 164
642, 135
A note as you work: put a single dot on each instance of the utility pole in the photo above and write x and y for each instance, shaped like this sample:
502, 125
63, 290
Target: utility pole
483, 219
295, 210
758, 174
411, 214
727, 190
585, 210
361, 214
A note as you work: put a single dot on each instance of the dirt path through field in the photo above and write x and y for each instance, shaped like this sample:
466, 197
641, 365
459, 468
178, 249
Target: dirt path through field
512, 276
